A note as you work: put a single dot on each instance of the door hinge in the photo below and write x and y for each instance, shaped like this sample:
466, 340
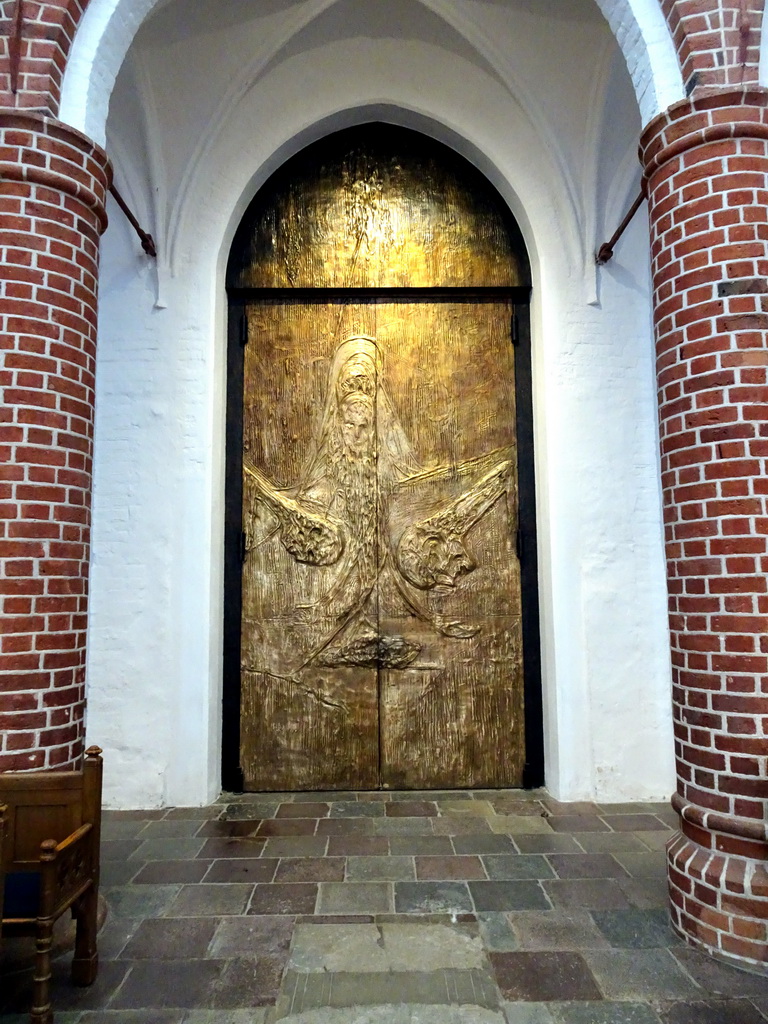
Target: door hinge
244, 329
515, 329
243, 547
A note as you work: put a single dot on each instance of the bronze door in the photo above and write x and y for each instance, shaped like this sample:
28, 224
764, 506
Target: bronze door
381, 637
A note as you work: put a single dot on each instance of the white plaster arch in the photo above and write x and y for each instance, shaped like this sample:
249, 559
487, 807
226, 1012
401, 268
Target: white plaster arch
109, 26
154, 661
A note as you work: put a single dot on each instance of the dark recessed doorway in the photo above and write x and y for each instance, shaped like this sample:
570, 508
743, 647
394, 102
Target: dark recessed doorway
381, 613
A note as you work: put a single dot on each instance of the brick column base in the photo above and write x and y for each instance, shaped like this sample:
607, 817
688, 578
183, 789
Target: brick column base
53, 184
706, 162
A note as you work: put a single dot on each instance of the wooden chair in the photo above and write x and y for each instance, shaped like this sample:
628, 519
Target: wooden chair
50, 859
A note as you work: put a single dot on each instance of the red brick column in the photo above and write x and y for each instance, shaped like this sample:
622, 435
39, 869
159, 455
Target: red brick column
53, 184
707, 167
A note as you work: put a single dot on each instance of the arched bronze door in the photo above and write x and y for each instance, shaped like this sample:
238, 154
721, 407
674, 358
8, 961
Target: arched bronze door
374, 284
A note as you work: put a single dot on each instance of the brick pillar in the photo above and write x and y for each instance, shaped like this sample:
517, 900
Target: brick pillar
706, 162
53, 184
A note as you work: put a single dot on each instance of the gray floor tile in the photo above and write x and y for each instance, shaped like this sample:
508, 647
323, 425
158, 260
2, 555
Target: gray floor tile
646, 893
557, 930
140, 901
158, 984
711, 1011
643, 865
253, 1015
611, 842
555, 842
528, 1013
420, 846
520, 865
210, 900
497, 933
170, 939
355, 898
636, 929
129, 1017
393, 869
640, 974
526, 895
592, 893
604, 1013
720, 978
586, 865
432, 898
168, 849
480, 845
170, 828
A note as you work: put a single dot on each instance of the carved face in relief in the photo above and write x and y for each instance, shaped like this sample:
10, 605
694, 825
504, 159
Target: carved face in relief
357, 425
430, 558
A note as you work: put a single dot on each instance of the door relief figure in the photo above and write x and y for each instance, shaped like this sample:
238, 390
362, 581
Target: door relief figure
350, 511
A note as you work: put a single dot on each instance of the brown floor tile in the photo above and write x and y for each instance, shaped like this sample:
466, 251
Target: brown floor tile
344, 827
170, 939
586, 865
577, 823
249, 936
544, 977
301, 810
168, 871
512, 804
225, 849
594, 894
311, 869
359, 846
296, 846
295, 898
460, 868
242, 869
357, 809
228, 829
248, 981
287, 827
411, 809
507, 867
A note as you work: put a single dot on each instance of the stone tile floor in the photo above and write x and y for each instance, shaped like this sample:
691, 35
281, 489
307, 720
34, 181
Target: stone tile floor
500, 907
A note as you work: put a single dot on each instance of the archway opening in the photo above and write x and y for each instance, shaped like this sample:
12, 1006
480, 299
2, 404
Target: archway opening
381, 619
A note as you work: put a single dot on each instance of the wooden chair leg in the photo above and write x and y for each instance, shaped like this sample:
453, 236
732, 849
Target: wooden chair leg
41, 1012
85, 963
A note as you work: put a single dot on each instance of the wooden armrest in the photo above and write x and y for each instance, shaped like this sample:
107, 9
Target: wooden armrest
67, 870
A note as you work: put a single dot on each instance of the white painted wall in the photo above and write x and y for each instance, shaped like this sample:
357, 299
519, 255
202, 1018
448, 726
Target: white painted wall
211, 99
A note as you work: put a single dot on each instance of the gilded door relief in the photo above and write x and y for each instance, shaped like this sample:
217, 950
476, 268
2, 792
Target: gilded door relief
386, 545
